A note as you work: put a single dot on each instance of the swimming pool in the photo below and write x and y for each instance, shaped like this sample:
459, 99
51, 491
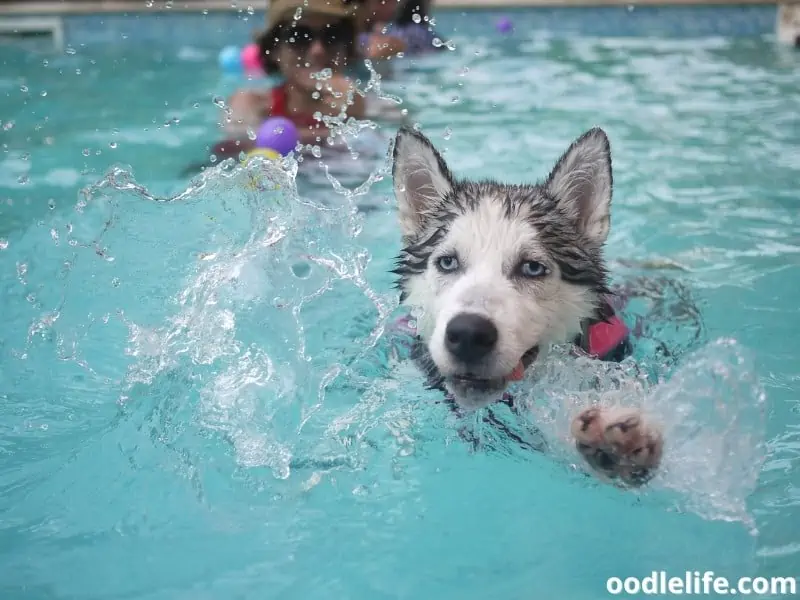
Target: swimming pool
183, 415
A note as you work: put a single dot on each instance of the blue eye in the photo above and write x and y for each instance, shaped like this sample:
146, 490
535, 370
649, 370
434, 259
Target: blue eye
532, 269
447, 263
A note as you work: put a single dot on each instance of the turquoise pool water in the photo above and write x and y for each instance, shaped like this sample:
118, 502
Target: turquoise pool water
190, 407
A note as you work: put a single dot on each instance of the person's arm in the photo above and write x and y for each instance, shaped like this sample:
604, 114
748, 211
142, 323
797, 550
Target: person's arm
246, 109
342, 88
383, 46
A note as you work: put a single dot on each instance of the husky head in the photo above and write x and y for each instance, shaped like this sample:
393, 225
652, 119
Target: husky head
496, 273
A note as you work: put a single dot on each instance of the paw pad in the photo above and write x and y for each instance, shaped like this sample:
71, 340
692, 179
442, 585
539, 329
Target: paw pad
618, 444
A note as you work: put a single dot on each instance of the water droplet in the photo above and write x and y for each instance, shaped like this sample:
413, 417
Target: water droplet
23, 88
25, 156
45, 62
455, 100
45, 426
31, 298
450, 45
196, 105
416, 18
54, 236
77, 71
86, 152
148, 3
23, 179
437, 43
8, 125
112, 145
168, 4
3, 243
251, 135
630, 7
316, 151
219, 101
447, 133
70, 50
115, 282
51, 204
44, 93
251, 10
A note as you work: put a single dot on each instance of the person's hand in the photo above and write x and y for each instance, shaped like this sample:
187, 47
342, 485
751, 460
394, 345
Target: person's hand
383, 46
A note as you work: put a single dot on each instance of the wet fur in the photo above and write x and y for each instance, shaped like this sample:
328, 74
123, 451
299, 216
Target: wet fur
529, 259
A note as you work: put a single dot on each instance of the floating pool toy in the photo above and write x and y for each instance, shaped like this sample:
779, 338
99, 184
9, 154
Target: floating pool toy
278, 134
504, 25
250, 59
230, 59
265, 152
255, 181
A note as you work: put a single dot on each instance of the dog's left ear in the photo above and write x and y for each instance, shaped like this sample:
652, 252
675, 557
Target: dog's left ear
421, 178
581, 182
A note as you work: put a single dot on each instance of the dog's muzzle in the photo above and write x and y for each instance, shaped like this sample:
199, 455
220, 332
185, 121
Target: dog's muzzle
470, 339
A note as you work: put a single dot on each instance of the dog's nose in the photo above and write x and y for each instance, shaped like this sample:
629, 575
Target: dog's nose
470, 337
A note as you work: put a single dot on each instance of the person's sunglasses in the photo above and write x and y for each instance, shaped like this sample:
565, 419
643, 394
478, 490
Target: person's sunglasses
301, 36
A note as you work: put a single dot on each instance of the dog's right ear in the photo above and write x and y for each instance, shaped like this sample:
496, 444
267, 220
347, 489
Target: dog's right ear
421, 179
581, 182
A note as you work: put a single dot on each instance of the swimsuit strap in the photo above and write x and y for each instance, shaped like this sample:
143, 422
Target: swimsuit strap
280, 109
279, 101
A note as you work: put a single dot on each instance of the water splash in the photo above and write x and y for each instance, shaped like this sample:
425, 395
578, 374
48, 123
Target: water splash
711, 410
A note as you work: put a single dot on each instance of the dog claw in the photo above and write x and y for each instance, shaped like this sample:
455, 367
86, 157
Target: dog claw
618, 444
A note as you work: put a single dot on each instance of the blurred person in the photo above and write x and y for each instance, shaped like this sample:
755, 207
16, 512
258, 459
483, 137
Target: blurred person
391, 27
301, 39
412, 25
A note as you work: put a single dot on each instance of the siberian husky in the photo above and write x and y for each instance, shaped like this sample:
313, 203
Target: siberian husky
496, 273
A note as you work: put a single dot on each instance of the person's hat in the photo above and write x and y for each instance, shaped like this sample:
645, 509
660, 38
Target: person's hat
280, 10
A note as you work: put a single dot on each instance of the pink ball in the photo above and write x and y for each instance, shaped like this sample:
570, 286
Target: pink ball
250, 58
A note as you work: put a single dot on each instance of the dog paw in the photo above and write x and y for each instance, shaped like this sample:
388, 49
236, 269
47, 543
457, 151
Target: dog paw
618, 444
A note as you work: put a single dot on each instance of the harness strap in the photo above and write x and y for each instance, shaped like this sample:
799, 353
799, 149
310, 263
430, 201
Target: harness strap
606, 338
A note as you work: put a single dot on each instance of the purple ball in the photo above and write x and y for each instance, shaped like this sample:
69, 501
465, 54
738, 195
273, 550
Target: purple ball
504, 25
279, 134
